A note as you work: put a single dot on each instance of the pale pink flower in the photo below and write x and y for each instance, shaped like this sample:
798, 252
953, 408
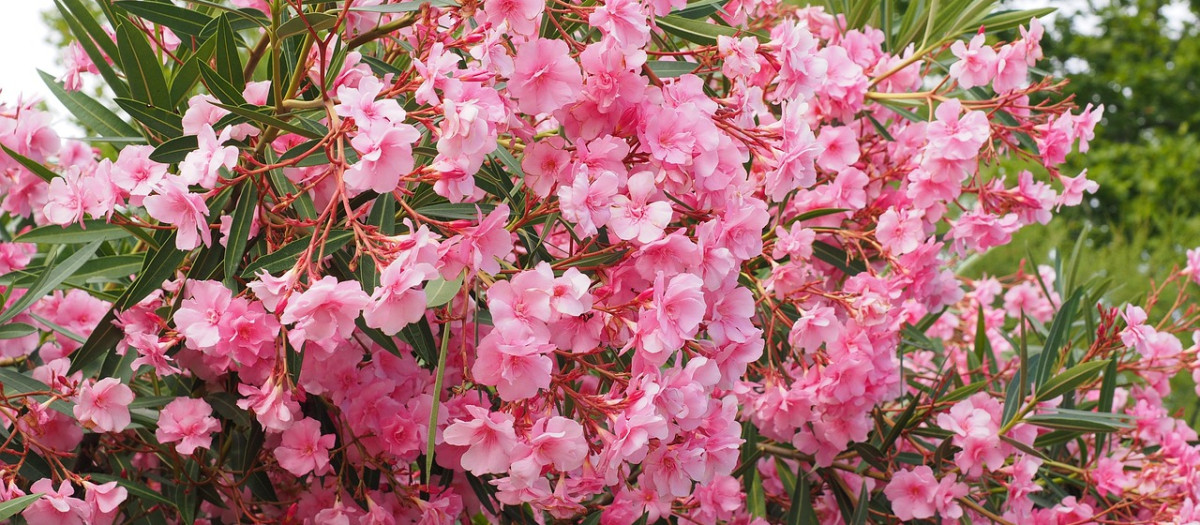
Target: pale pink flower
976, 64
135, 173
360, 103
911, 492
187, 421
477, 247
304, 449
200, 315
324, 312
545, 78
490, 438
514, 361
104, 501
104, 405
399, 299
56, 507
385, 155
636, 216
272, 405
522, 16
175, 205
203, 165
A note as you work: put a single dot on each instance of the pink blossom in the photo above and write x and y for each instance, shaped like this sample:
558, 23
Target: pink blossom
175, 205
324, 312
515, 362
104, 500
911, 492
56, 507
203, 165
187, 421
477, 247
135, 173
385, 155
976, 64
360, 103
521, 16
200, 315
637, 217
304, 449
545, 78
399, 300
273, 406
490, 440
104, 405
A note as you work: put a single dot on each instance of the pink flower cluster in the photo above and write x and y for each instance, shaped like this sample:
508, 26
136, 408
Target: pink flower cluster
537, 277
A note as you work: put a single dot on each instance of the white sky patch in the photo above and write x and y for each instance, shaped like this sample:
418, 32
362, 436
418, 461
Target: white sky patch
26, 50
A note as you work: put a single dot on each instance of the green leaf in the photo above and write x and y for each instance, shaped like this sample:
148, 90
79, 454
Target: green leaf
142, 67
440, 291
239, 229
698, 31
963, 392
453, 211
229, 63
861, 512
756, 500
420, 336
90, 230
983, 345
251, 113
671, 69
33, 166
837, 258
1070, 379
90, 26
16, 330
164, 123
175, 150
111, 268
184, 22
300, 24
817, 213
1005, 20
14, 382
801, 511
285, 257
14, 506
1108, 389
92, 114
220, 87
1056, 337
186, 76
55, 274
700, 10
1079, 420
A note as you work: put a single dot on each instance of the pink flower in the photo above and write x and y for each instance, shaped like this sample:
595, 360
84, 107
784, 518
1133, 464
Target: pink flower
188, 421
304, 449
490, 438
901, 232
626, 22
912, 493
200, 315
203, 165
272, 405
104, 500
478, 247
839, 148
175, 205
545, 78
1074, 188
399, 300
326, 309
104, 405
135, 173
514, 361
385, 154
359, 103
587, 202
56, 507
976, 62
522, 16
637, 217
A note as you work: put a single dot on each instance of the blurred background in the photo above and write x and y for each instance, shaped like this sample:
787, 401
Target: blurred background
1140, 58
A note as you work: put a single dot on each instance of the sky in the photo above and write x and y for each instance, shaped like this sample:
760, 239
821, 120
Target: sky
25, 51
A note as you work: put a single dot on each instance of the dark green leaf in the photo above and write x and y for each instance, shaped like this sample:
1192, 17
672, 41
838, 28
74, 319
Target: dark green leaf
1056, 338
229, 63
837, 258
14, 506
403, 7
220, 87
184, 22
698, 31
92, 114
164, 123
175, 150
16, 330
33, 166
142, 67
137, 490
285, 257
1070, 379
239, 229
452, 211
251, 113
301, 24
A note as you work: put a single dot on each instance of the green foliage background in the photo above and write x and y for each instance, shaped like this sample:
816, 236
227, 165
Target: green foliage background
1143, 64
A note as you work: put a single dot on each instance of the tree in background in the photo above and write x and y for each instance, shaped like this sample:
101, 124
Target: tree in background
1141, 59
